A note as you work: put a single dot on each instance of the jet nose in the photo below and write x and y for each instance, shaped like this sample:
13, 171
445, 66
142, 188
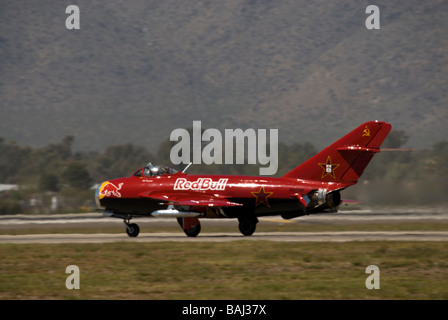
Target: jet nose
97, 196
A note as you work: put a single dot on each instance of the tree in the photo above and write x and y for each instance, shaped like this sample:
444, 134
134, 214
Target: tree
77, 176
395, 139
49, 182
12, 158
439, 157
120, 161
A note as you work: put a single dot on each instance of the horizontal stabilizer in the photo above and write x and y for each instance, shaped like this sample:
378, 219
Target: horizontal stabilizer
357, 149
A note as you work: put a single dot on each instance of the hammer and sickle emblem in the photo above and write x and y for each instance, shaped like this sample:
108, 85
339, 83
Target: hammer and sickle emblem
366, 132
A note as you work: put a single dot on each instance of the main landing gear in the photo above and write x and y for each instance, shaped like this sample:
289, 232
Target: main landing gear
192, 226
247, 226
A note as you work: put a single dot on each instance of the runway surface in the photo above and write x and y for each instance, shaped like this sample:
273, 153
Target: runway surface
15, 223
366, 215
342, 236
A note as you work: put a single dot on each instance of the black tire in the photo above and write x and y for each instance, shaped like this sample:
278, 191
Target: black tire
247, 226
132, 229
193, 232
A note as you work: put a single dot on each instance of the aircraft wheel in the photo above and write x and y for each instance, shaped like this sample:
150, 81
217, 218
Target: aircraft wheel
193, 232
247, 226
191, 226
132, 229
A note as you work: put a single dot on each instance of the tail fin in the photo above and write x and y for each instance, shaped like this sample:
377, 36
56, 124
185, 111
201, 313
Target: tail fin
345, 159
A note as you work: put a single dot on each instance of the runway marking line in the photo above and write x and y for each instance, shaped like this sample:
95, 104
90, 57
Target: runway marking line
325, 236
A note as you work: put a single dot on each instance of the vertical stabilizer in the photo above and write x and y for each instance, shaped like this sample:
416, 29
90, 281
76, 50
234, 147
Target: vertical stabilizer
345, 159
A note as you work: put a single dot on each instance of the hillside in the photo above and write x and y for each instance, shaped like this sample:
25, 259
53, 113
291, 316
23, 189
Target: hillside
137, 69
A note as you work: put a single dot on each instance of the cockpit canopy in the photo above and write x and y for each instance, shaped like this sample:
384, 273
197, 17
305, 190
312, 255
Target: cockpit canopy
151, 170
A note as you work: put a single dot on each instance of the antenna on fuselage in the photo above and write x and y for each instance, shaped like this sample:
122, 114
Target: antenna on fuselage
183, 171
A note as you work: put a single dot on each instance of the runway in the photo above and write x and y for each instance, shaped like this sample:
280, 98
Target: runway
330, 236
11, 226
342, 217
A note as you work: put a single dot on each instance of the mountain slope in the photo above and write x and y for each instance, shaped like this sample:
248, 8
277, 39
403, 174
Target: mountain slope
136, 70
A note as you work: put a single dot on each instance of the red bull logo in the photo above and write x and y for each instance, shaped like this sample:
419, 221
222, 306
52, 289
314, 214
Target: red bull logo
108, 189
200, 184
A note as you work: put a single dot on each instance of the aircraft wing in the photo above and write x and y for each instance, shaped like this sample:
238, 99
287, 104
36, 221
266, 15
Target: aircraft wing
191, 199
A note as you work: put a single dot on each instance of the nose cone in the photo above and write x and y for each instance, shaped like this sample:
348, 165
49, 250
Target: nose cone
99, 196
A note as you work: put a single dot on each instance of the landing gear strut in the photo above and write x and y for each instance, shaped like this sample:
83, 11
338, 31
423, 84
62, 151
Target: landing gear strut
132, 229
247, 226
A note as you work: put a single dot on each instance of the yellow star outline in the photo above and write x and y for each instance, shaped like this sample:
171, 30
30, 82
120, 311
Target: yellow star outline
262, 197
329, 168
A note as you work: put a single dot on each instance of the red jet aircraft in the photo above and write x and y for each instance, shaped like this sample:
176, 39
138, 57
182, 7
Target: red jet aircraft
313, 187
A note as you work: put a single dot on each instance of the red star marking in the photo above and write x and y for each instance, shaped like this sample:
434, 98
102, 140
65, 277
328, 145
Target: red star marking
262, 197
329, 168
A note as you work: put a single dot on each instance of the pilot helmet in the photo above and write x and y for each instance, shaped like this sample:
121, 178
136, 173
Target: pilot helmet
149, 165
147, 170
154, 170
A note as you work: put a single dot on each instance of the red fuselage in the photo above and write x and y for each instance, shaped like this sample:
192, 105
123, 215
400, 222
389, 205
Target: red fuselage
257, 196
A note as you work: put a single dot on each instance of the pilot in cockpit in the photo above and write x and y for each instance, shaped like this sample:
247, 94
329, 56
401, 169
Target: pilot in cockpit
151, 170
156, 170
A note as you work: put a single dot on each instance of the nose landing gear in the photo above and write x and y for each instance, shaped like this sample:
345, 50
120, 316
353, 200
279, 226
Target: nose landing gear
132, 229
